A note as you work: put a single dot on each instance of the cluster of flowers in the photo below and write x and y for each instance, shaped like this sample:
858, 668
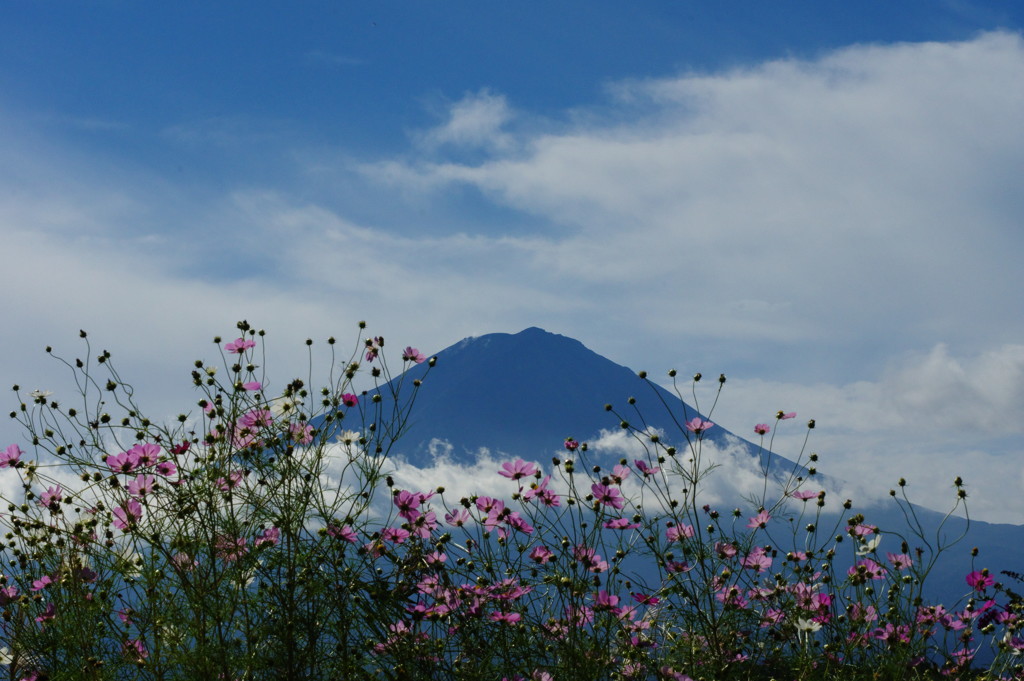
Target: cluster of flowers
225, 556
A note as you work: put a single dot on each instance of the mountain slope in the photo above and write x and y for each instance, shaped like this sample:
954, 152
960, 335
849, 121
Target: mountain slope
523, 394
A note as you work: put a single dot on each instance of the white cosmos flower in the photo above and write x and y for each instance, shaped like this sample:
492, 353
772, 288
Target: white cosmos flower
870, 545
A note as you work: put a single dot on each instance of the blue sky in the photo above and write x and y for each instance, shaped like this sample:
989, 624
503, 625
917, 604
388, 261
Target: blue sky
821, 200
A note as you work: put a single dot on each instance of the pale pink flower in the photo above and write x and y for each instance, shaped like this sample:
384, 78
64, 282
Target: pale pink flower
698, 425
411, 354
457, 517
125, 462
620, 524
762, 428
142, 485
342, 532
900, 561
679, 532
146, 454
607, 495
782, 416
52, 497
10, 456
541, 554
760, 520
645, 469
514, 470
239, 345
301, 433
758, 559
804, 495
268, 537
128, 514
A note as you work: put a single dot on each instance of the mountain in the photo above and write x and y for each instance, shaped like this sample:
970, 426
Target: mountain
523, 394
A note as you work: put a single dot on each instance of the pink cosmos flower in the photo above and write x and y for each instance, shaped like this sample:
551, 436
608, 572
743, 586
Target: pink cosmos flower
506, 617
373, 346
8, 594
900, 561
760, 520
128, 514
125, 462
571, 444
411, 354
645, 469
762, 428
590, 559
758, 559
725, 550
268, 537
166, 468
540, 491
861, 530
620, 524
804, 495
48, 614
868, 568
10, 456
619, 473
605, 601
239, 345
609, 496
256, 419
457, 517
252, 386
517, 469
233, 480
679, 532
52, 497
230, 549
42, 583
349, 400
135, 649
146, 454
489, 505
343, 532
518, 523
979, 581
395, 535
141, 485
782, 416
542, 555
645, 599
698, 425
301, 433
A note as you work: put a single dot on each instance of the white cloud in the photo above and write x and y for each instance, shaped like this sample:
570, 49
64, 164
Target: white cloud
929, 419
868, 189
475, 121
